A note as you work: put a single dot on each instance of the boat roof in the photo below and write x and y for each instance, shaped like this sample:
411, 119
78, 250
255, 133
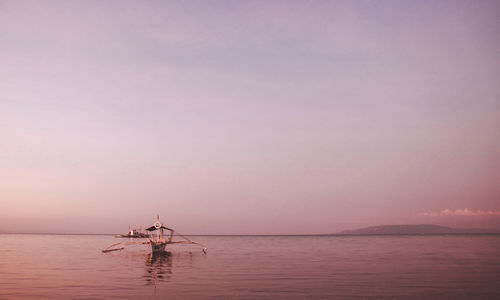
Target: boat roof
153, 228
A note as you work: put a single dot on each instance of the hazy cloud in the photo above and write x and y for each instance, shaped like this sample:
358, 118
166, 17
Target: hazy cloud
462, 213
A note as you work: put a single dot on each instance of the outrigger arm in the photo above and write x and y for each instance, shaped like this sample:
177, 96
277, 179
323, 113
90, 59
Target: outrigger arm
121, 246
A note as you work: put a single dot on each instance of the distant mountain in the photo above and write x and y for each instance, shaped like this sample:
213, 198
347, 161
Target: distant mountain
413, 229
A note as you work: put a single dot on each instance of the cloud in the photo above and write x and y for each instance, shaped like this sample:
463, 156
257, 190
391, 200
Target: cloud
461, 213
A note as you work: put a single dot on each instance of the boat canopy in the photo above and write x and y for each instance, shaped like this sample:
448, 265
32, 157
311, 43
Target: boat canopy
157, 225
153, 228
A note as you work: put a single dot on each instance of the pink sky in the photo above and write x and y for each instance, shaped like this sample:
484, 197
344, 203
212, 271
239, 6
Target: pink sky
257, 117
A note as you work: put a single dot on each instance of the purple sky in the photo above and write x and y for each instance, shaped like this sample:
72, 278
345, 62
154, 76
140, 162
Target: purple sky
248, 117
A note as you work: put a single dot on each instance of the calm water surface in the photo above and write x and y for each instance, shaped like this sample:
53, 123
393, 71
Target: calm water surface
250, 267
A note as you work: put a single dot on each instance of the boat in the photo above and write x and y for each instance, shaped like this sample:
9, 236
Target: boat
157, 240
133, 233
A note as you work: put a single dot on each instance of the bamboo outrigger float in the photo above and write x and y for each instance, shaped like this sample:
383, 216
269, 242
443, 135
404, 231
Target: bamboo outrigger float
156, 239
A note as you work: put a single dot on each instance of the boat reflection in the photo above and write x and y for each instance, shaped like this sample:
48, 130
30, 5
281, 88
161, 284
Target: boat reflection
158, 267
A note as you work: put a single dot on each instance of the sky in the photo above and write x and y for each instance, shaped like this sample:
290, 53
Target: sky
248, 117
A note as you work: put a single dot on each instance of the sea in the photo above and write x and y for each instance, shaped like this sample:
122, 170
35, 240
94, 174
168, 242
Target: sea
253, 267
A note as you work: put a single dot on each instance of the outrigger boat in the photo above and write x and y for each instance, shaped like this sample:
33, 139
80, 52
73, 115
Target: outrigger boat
133, 233
156, 239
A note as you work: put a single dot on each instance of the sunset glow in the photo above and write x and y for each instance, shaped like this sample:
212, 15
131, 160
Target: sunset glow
248, 117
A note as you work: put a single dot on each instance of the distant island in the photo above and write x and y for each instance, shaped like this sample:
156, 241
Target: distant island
414, 229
